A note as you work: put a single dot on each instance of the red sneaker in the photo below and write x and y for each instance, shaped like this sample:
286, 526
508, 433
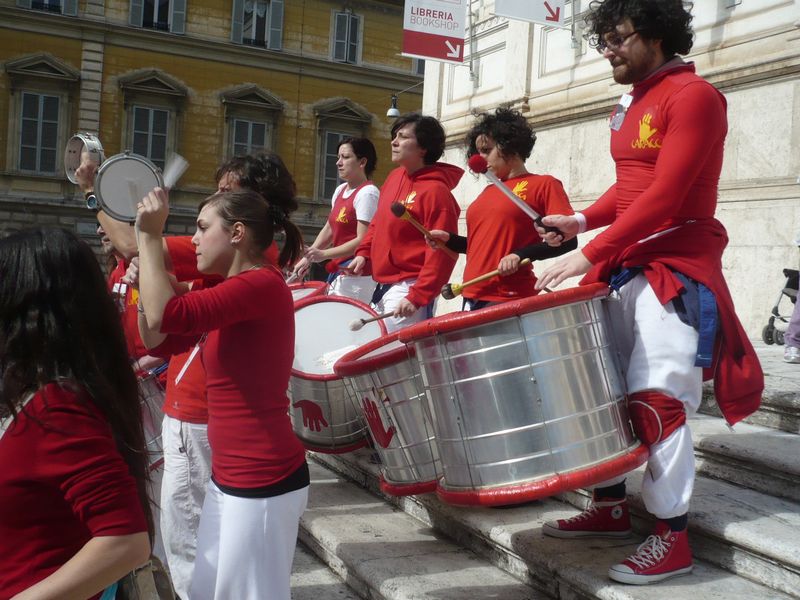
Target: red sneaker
662, 555
603, 518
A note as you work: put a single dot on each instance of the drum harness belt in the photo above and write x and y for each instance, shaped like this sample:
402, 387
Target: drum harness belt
696, 306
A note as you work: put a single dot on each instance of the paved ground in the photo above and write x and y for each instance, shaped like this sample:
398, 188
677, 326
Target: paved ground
779, 376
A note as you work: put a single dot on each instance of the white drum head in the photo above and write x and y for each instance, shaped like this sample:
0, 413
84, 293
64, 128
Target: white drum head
76, 145
122, 181
323, 335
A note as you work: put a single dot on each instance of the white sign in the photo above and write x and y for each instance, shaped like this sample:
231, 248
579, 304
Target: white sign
434, 29
546, 12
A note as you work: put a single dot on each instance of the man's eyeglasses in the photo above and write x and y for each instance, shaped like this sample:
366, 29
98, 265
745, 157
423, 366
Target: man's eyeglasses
613, 41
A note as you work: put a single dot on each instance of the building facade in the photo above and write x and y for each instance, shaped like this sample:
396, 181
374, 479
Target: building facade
749, 49
204, 78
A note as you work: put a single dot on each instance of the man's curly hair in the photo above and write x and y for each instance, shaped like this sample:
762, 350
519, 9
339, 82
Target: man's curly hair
665, 20
508, 128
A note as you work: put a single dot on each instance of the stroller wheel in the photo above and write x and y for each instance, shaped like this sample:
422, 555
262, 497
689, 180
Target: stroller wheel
779, 337
767, 334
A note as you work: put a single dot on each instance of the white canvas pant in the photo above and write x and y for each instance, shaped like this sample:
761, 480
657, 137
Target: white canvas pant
392, 298
187, 468
353, 286
245, 546
658, 353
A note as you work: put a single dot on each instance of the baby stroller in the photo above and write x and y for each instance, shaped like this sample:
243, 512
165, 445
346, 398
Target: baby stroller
776, 326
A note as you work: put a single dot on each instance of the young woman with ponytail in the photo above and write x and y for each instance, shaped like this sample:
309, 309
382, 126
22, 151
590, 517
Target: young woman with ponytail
244, 328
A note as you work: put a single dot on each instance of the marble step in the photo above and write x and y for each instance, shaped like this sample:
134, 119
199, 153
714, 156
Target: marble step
751, 535
385, 554
313, 580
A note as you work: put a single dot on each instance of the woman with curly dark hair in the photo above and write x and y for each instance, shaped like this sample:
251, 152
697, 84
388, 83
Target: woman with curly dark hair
74, 512
499, 235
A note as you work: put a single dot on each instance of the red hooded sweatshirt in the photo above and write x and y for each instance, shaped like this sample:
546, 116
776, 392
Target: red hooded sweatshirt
396, 250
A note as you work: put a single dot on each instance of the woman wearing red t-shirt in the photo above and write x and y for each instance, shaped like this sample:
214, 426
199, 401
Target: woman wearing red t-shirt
259, 476
499, 234
353, 205
74, 514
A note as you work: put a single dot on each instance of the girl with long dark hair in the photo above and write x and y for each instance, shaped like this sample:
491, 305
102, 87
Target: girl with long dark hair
74, 513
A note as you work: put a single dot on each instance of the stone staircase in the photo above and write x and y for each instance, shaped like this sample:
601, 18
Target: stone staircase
744, 525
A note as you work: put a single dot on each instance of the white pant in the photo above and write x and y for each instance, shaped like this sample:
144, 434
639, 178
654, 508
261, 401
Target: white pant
392, 298
353, 286
187, 468
658, 353
245, 546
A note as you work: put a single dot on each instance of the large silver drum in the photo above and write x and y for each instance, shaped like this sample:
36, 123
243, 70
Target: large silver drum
151, 394
387, 387
527, 398
307, 289
323, 414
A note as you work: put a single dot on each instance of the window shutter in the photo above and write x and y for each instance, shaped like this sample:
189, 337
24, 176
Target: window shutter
237, 17
275, 25
340, 36
137, 13
70, 8
178, 24
24, 3
352, 49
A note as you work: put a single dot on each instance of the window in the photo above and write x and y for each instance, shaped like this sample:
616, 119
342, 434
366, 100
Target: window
258, 23
330, 154
63, 7
38, 144
346, 37
418, 66
150, 128
165, 15
248, 136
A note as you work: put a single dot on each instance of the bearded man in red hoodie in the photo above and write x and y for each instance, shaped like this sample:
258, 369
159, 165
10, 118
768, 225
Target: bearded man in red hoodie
662, 252
410, 274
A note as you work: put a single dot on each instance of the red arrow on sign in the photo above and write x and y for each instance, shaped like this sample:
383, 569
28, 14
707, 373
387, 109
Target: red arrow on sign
554, 15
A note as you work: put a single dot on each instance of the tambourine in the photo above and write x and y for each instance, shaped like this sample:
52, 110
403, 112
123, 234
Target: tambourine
76, 145
122, 181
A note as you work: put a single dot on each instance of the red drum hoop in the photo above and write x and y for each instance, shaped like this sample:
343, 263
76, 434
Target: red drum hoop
307, 289
527, 397
387, 388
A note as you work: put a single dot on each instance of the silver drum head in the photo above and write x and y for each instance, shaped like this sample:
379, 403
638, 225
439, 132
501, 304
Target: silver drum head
122, 181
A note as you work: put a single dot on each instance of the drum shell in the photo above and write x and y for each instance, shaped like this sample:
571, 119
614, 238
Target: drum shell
75, 147
346, 430
151, 394
308, 289
410, 461
527, 397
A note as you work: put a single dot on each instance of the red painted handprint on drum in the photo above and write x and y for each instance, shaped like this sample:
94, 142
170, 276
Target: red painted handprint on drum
382, 437
313, 418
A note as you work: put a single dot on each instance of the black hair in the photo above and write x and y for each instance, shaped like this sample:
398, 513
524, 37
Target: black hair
266, 174
665, 20
507, 128
362, 148
52, 297
428, 131
262, 218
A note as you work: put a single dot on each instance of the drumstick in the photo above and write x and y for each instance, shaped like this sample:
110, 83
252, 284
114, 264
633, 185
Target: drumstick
357, 324
451, 290
176, 167
399, 211
478, 164
292, 277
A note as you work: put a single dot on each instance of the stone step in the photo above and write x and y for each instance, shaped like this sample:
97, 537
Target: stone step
386, 554
752, 456
780, 405
313, 580
512, 539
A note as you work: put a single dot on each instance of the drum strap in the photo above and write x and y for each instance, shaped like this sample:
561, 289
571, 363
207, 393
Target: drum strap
5, 422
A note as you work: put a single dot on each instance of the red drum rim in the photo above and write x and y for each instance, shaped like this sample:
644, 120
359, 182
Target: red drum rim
514, 308
317, 286
336, 450
353, 363
555, 484
314, 299
407, 489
